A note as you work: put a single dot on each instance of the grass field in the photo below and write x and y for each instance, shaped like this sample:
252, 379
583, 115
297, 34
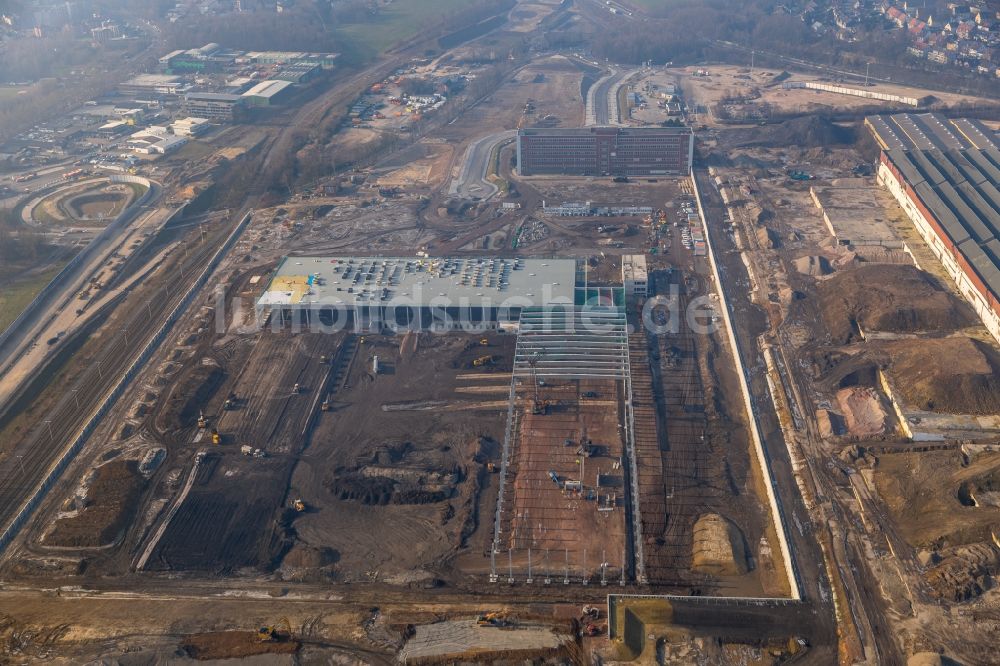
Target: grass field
8, 93
397, 22
17, 294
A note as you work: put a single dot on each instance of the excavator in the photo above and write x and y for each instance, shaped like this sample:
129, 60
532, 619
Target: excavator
481, 361
275, 633
589, 622
540, 407
493, 619
299, 505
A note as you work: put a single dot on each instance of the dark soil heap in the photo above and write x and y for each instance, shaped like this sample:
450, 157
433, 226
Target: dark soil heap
804, 132
892, 298
948, 375
111, 502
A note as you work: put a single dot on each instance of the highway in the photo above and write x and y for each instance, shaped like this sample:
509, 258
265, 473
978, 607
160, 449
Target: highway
602, 98
606, 99
471, 182
592, 112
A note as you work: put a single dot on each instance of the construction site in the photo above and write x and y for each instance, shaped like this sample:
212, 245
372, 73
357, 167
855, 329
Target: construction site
732, 401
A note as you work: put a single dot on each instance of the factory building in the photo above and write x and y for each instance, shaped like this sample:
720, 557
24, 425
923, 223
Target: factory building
951, 197
929, 131
267, 92
208, 58
424, 293
635, 275
605, 151
323, 60
214, 106
155, 85
190, 126
155, 140
300, 73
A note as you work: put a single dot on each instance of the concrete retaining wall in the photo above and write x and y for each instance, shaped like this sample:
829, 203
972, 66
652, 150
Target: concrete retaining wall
756, 435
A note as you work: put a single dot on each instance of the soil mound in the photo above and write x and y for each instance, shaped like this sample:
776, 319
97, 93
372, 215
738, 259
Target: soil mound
964, 572
310, 557
889, 298
110, 504
190, 394
813, 131
805, 132
718, 547
234, 645
948, 375
814, 265
862, 411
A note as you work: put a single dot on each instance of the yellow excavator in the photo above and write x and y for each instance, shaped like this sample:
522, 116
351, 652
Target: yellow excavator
493, 619
481, 361
275, 633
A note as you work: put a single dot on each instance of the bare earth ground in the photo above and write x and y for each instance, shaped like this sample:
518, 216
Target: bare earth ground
725, 79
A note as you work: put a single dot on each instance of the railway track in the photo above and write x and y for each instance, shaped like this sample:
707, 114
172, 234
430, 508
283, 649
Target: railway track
28, 459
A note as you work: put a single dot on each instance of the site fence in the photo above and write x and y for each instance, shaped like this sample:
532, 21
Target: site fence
67, 457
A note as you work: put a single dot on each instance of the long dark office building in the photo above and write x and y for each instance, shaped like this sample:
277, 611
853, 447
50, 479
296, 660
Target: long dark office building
605, 151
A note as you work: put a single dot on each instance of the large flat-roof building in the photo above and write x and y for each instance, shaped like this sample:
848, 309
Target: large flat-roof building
268, 92
605, 151
152, 84
929, 131
370, 293
324, 60
953, 200
214, 106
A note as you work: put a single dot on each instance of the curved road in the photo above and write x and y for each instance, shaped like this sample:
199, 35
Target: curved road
471, 182
602, 109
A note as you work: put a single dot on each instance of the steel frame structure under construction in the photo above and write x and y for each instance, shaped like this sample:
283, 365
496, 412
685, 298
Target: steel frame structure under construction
584, 342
